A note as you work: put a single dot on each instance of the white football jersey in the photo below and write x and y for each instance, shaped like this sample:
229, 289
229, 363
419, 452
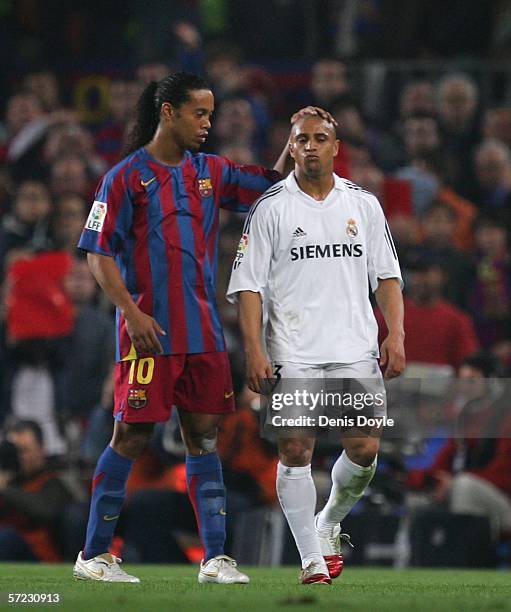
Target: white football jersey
313, 263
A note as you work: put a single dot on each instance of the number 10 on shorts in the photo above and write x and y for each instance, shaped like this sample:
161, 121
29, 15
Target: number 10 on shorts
143, 369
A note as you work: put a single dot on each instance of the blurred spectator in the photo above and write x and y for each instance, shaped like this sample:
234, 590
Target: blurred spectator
235, 124
497, 124
490, 293
44, 84
417, 97
26, 125
31, 500
405, 232
472, 473
109, 136
371, 178
72, 139
493, 174
70, 174
421, 139
239, 154
426, 174
458, 98
438, 225
26, 228
90, 348
353, 128
224, 70
421, 135
328, 82
152, 71
436, 332
69, 220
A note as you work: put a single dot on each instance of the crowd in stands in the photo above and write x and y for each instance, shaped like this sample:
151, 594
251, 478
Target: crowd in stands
441, 168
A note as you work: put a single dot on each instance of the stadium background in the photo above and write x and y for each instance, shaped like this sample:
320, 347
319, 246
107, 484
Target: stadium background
422, 94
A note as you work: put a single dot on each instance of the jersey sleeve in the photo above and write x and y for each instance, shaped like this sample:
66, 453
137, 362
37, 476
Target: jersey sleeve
110, 218
382, 255
242, 185
252, 262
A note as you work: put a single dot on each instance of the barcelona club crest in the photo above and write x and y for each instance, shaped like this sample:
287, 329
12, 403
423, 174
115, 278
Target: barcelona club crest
351, 228
205, 187
137, 398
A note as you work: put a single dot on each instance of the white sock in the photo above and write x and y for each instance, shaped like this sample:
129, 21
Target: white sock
297, 496
349, 481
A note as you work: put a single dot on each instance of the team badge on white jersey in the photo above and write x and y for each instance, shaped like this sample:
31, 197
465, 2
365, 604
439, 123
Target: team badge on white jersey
351, 228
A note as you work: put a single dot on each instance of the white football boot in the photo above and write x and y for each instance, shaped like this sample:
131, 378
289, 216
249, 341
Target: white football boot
222, 570
104, 567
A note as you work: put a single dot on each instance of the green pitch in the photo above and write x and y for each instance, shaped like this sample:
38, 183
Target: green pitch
175, 588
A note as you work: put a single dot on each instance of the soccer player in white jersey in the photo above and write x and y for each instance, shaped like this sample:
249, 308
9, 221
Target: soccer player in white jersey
311, 248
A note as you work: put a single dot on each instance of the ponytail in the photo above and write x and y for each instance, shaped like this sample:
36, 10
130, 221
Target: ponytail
175, 88
146, 120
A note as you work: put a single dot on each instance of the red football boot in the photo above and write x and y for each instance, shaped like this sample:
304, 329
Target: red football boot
314, 573
331, 548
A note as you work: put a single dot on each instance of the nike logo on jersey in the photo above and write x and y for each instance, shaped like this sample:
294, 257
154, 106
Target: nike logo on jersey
228, 395
299, 233
146, 183
110, 518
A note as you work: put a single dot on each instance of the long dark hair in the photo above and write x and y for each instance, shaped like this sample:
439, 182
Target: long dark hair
175, 89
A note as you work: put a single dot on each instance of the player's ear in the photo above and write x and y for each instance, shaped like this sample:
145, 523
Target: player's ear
291, 148
167, 110
336, 147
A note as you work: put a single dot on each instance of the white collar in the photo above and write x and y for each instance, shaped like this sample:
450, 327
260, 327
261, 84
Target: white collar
293, 187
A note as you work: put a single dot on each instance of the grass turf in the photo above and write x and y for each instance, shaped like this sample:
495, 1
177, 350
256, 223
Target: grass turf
175, 588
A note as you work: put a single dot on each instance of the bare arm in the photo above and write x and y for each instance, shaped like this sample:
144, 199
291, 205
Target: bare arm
390, 300
142, 328
284, 163
250, 315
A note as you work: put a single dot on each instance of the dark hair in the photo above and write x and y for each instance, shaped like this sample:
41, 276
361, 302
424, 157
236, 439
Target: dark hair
27, 425
175, 89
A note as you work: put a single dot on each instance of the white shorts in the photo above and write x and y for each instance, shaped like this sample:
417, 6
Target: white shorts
340, 389
367, 368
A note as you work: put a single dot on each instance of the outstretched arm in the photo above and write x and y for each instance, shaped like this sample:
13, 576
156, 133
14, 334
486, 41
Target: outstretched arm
390, 300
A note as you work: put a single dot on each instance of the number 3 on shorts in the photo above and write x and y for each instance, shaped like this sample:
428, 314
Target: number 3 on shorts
145, 370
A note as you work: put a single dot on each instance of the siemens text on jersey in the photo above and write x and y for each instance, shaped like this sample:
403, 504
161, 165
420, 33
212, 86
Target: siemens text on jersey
320, 251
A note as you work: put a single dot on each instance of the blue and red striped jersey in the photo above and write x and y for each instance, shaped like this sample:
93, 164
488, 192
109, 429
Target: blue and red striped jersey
161, 225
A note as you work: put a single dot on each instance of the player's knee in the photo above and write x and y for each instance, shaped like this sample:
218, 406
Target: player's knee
131, 441
363, 453
295, 453
198, 443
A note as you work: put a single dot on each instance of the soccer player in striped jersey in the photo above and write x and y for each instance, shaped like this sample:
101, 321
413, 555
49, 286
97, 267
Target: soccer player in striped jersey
152, 240
312, 246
